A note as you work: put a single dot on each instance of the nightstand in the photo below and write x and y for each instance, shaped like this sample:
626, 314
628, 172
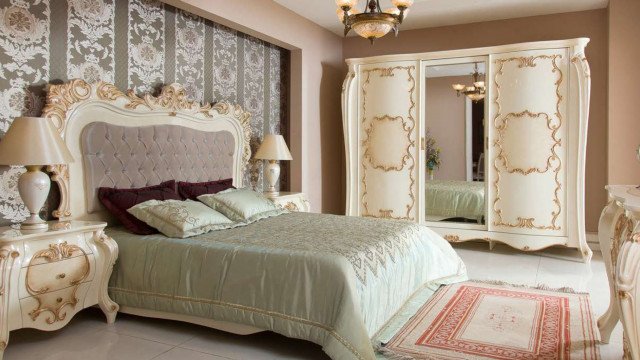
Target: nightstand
292, 201
47, 276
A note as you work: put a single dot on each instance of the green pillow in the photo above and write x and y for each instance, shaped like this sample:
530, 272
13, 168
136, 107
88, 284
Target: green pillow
242, 205
180, 219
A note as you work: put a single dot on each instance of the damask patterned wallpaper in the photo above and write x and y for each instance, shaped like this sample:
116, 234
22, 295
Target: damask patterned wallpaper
136, 44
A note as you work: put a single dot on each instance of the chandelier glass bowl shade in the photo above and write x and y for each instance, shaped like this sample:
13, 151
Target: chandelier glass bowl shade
373, 22
475, 92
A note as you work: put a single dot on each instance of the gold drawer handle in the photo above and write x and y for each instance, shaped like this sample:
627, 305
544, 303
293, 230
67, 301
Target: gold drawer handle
59, 300
61, 276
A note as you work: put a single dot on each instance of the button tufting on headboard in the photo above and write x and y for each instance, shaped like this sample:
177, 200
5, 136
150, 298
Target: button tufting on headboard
130, 157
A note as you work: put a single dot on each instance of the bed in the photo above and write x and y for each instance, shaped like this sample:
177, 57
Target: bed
455, 199
333, 280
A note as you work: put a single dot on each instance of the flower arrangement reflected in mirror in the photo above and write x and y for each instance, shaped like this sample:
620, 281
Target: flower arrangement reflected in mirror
433, 154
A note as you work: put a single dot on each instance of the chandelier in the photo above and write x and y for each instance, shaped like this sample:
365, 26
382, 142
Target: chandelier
373, 23
475, 92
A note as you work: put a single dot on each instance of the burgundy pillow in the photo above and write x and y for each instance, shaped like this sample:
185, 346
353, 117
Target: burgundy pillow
117, 201
191, 191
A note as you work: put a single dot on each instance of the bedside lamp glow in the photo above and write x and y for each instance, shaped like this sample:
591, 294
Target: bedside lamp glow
33, 142
273, 148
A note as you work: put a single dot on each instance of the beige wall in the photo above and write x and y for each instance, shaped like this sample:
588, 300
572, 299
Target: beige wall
592, 24
318, 68
317, 71
445, 117
624, 77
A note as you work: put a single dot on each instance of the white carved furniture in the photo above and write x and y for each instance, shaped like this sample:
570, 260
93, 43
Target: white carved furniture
619, 233
76, 104
537, 111
50, 275
292, 201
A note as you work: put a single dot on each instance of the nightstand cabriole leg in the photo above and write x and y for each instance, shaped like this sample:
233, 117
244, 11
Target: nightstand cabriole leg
110, 249
7, 259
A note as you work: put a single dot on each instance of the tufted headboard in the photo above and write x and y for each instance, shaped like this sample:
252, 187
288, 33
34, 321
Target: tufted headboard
132, 157
122, 140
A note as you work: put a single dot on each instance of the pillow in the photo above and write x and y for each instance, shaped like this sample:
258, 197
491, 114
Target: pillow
180, 219
189, 190
242, 205
117, 201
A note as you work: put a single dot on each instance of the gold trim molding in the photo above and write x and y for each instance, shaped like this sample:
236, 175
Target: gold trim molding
63, 99
501, 122
502, 125
622, 232
291, 206
348, 79
55, 253
580, 58
408, 161
452, 238
5, 256
402, 162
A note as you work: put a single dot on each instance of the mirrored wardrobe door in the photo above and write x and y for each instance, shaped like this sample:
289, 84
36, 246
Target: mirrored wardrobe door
454, 146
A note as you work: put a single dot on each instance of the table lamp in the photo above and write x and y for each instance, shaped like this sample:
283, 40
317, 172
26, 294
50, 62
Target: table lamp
273, 148
33, 142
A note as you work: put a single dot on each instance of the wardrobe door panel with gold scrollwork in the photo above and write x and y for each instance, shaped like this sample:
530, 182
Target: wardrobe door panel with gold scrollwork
389, 140
528, 138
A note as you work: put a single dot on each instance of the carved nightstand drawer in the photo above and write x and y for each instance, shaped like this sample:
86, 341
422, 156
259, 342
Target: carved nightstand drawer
57, 275
56, 248
53, 310
50, 275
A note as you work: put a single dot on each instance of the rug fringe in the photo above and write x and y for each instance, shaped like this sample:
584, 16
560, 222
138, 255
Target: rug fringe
543, 287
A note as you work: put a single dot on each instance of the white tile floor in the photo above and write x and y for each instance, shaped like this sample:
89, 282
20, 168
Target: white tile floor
88, 336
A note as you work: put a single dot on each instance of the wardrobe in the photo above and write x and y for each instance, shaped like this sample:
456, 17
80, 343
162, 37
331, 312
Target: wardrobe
509, 167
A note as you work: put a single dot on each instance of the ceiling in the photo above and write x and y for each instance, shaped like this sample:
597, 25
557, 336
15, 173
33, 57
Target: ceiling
432, 13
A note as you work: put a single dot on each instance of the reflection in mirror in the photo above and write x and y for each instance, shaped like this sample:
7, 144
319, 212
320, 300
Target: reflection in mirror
455, 158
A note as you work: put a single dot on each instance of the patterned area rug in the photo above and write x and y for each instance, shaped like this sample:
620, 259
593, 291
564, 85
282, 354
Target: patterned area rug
473, 320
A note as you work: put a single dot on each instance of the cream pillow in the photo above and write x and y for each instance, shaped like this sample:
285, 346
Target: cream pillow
180, 219
242, 205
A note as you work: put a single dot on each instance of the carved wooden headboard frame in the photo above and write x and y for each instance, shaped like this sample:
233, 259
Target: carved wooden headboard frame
72, 100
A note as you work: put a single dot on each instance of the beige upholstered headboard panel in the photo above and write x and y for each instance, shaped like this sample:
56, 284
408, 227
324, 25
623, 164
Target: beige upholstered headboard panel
123, 140
131, 157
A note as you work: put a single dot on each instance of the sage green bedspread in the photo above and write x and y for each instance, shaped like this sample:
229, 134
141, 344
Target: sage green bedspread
333, 280
453, 198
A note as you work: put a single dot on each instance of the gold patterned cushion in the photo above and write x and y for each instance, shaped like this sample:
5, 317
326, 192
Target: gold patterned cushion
241, 205
180, 219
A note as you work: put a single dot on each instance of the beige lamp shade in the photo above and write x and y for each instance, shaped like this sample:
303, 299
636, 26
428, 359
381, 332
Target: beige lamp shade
33, 141
273, 148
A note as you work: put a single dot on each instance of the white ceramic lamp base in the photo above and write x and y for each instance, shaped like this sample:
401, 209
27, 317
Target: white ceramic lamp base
272, 173
33, 187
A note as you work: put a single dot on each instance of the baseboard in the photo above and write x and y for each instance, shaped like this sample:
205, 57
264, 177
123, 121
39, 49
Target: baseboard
592, 240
